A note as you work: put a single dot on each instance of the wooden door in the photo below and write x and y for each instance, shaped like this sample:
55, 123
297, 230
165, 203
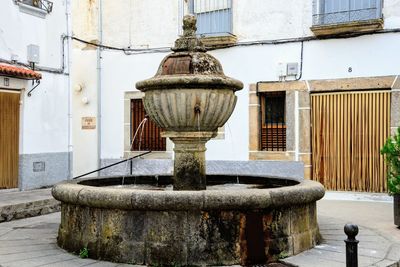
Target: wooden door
348, 131
9, 139
149, 137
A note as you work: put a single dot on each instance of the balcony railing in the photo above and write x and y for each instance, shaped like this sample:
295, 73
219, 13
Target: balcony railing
44, 5
214, 17
326, 12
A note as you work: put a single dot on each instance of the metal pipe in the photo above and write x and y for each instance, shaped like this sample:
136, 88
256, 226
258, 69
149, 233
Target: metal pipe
68, 58
99, 85
130, 51
111, 165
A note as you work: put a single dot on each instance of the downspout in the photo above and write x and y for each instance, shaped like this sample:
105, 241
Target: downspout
296, 109
99, 85
68, 58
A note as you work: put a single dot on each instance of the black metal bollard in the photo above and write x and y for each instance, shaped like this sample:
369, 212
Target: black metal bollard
351, 231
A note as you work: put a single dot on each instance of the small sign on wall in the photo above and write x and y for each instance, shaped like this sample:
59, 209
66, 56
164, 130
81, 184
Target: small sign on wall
39, 166
88, 123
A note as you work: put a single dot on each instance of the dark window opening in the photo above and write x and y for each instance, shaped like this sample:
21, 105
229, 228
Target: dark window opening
273, 128
148, 139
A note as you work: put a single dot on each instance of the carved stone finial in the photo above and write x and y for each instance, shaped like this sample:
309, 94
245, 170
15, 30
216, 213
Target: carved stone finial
189, 25
189, 41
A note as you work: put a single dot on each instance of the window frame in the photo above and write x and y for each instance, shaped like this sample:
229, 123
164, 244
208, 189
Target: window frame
319, 12
40, 9
276, 129
214, 12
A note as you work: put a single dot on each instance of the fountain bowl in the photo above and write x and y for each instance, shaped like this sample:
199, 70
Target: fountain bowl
266, 219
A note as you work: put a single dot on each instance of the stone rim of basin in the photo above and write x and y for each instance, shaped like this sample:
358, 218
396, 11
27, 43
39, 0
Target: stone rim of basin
306, 191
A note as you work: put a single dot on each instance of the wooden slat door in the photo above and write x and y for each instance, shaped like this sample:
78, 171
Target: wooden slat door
348, 131
148, 139
9, 139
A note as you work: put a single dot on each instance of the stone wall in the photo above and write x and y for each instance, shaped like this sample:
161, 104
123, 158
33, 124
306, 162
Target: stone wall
44, 169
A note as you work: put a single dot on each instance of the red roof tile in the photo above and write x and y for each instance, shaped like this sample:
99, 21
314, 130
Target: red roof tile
19, 72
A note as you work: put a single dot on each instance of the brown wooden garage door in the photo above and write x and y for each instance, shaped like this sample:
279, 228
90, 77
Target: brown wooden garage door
348, 131
9, 137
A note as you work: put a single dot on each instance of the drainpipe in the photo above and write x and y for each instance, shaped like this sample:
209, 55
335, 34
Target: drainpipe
296, 126
99, 85
68, 59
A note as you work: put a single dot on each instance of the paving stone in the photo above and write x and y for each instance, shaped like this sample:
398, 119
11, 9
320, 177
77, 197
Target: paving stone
45, 259
77, 262
303, 260
26, 254
24, 249
394, 252
384, 263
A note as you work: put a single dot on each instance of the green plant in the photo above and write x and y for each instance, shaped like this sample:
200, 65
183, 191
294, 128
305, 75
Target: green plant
84, 253
283, 255
391, 151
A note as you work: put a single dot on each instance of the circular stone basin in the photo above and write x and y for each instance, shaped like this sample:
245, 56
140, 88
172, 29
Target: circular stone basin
240, 220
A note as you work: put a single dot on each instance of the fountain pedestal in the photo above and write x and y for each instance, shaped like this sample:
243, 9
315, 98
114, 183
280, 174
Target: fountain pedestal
189, 162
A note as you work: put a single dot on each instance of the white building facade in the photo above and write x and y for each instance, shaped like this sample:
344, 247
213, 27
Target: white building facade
291, 52
35, 129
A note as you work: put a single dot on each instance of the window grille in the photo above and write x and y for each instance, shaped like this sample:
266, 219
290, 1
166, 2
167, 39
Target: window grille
214, 17
273, 131
345, 11
41, 4
151, 136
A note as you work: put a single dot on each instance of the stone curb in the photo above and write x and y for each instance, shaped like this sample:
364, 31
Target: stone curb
28, 209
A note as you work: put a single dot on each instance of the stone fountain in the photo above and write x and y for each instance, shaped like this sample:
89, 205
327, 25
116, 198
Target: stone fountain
190, 97
253, 220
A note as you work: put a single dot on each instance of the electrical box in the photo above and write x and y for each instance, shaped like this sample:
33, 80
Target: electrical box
292, 69
280, 70
33, 53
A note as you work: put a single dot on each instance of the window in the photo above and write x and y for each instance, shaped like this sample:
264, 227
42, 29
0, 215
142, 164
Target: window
273, 128
214, 17
328, 12
148, 139
43, 5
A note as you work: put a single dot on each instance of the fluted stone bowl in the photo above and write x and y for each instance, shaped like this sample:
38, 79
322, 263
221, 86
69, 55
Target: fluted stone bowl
190, 93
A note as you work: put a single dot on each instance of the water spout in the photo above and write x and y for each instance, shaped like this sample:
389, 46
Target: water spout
140, 127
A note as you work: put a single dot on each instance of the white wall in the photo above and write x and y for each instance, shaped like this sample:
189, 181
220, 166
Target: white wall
45, 116
45, 113
154, 24
18, 29
84, 74
326, 59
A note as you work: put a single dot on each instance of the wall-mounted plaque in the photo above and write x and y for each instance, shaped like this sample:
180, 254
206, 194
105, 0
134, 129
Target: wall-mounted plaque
88, 123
